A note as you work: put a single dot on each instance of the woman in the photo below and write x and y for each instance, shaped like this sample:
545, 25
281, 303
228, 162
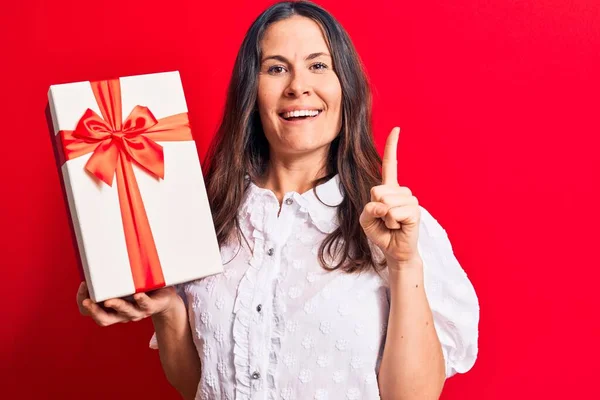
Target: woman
336, 283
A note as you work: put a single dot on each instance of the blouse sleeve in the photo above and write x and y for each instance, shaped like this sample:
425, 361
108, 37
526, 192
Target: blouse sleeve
451, 296
181, 292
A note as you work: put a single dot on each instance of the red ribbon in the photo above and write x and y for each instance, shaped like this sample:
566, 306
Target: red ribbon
116, 144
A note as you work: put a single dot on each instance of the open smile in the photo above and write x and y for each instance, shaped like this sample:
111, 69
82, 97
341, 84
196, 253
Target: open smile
300, 116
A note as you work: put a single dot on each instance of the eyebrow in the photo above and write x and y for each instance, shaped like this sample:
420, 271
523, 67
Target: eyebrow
285, 60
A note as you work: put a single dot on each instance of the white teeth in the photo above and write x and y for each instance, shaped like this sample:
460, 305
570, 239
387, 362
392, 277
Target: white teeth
301, 113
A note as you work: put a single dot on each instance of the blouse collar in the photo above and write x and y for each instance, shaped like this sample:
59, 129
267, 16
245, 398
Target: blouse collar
321, 207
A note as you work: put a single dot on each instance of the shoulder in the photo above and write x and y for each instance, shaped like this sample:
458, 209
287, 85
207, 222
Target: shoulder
429, 226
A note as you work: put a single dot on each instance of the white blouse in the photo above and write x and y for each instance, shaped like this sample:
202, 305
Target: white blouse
276, 325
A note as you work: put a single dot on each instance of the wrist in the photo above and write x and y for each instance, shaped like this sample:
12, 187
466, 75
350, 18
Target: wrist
412, 264
407, 280
403, 272
173, 307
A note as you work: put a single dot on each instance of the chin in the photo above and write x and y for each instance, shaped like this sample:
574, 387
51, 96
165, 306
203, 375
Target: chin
303, 148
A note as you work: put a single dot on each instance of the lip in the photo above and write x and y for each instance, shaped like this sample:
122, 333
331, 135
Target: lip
299, 121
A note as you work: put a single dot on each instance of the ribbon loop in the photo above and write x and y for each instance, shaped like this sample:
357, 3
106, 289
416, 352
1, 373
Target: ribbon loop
139, 120
92, 127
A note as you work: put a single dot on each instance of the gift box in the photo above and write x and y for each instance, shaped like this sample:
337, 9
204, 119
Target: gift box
133, 183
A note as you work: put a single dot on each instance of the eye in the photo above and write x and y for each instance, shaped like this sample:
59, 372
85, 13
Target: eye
276, 69
319, 66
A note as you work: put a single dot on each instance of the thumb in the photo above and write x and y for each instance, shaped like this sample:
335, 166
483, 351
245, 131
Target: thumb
372, 214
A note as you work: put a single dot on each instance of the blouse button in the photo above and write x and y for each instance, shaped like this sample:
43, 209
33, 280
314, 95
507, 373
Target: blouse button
271, 251
259, 307
255, 375
289, 201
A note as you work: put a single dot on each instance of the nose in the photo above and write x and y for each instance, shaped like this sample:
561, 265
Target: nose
299, 84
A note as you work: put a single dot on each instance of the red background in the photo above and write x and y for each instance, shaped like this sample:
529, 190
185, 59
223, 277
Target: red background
498, 104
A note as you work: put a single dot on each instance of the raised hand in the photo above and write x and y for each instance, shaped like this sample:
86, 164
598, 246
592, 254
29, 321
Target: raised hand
391, 219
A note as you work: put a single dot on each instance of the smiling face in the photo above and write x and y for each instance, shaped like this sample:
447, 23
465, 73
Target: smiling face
299, 94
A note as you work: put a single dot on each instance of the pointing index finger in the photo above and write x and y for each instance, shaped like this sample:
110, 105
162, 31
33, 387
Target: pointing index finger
390, 163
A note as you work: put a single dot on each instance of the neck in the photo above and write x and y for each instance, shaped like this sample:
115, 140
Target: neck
293, 174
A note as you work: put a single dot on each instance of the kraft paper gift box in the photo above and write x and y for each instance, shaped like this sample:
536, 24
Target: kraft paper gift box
134, 184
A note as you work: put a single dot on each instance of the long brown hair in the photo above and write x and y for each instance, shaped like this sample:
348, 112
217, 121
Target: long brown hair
240, 146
